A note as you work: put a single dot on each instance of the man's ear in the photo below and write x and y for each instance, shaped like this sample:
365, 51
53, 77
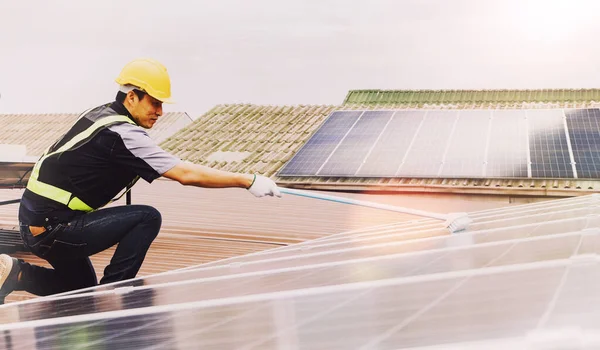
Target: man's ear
131, 97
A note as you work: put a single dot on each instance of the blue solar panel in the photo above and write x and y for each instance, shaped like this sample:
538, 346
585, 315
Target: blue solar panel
315, 152
549, 152
466, 149
507, 149
534, 143
389, 151
584, 133
349, 155
426, 152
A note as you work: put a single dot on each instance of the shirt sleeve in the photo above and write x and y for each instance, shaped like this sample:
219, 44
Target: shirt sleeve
140, 153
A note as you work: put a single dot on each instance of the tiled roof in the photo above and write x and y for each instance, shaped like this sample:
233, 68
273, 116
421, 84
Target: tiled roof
258, 138
38, 131
475, 98
253, 138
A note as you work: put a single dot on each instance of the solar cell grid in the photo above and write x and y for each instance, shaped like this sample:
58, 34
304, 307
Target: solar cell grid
507, 146
548, 144
567, 215
315, 152
584, 133
464, 307
339, 271
426, 152
390, 150
534, 143
517, 270
466, 149
349, 154
462, 315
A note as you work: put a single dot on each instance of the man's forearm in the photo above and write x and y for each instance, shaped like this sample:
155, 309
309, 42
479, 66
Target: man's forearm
203, 176
209, 177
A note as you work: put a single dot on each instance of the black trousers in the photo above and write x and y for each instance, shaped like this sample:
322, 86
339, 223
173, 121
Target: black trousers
67, 247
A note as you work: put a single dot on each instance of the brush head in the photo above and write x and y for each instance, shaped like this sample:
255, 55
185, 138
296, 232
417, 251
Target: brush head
457, 222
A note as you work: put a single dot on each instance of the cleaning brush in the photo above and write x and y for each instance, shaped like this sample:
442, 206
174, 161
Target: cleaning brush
454, 222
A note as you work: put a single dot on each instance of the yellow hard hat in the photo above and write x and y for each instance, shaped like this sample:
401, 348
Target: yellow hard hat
150, 76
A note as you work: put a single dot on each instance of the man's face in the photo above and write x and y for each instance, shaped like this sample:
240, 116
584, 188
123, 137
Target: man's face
146, 111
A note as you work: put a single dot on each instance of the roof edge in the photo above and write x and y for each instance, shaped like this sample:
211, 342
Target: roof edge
446, 189
376, 96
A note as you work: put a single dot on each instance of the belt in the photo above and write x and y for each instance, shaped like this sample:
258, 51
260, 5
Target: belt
37, 230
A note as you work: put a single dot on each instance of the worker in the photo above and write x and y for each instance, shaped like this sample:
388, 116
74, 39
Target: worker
105, 152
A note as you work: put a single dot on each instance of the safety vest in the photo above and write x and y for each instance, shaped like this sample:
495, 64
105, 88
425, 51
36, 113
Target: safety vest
60, 195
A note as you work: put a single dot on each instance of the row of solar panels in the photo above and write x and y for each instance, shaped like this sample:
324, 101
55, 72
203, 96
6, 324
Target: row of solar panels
517, 273
549, 143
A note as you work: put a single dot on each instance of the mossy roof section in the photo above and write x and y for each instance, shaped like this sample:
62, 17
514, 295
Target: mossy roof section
479, 98
268, 135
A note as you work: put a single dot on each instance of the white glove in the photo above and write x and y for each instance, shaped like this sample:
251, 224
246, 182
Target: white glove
263, 186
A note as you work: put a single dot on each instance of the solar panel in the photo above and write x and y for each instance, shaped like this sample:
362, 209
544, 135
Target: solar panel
345, 271
524, 221
549, 151
517, 271
316, 151
348, 156
507, 149
465, 154
535, 143
463, 308
584, 134
426, 153
389, 151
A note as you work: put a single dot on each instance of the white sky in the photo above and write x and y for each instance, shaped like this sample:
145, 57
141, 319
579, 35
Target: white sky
63, 56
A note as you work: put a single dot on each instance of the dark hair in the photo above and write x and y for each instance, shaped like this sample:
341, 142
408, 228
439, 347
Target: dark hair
121, 95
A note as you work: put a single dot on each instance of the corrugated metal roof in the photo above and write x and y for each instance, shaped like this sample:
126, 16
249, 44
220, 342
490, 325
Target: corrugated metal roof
38, 131
268, 136
481, 98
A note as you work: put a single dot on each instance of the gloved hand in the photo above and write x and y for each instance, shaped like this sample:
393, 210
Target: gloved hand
263, 186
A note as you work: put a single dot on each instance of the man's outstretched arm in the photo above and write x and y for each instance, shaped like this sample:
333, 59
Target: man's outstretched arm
190, 174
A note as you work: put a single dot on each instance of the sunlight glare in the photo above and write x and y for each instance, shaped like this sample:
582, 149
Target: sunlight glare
555, 20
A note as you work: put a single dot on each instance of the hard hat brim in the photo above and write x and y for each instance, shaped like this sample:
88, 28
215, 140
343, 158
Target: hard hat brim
166, 100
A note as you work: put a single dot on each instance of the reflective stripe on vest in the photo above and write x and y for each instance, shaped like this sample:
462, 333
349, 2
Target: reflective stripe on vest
57, 194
